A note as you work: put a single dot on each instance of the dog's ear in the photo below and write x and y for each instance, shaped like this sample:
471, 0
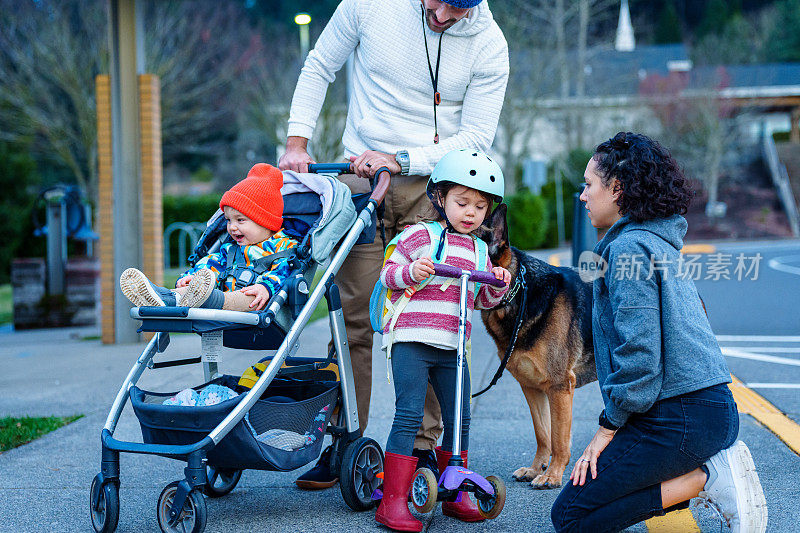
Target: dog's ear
498, 227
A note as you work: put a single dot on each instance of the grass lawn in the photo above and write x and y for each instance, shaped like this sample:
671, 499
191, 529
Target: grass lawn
6, 304
18, 431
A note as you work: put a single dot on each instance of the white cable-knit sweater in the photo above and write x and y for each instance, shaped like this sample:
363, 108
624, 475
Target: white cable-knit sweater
391, 105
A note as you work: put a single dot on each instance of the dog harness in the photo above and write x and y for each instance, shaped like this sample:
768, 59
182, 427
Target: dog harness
519, 283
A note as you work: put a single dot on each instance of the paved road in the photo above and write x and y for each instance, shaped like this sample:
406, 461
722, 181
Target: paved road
757, 319
44, 485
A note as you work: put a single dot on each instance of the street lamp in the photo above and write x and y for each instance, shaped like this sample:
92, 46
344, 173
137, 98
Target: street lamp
302, 20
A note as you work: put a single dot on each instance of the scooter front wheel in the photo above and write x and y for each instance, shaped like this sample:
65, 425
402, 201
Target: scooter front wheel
492, 506
424, 490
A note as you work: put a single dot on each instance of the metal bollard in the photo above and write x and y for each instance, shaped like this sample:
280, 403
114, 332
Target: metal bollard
584, 235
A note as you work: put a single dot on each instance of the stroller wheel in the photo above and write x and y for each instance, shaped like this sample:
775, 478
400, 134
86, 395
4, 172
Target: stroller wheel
104, 508
221, 481
358, 478
492, 506
192, 518
424, 490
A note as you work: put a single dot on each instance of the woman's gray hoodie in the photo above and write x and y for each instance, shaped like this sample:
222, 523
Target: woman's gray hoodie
652, 339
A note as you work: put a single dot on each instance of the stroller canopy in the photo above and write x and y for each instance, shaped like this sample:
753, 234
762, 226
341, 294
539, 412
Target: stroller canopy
337, 213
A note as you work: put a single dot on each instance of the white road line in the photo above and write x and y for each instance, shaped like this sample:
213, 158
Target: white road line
730, 352
774, 385
779, 263
758, 338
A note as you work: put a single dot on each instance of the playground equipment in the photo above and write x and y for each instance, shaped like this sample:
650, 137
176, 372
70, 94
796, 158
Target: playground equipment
68, 216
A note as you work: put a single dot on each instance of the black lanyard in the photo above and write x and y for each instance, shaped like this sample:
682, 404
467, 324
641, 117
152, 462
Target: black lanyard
437, 98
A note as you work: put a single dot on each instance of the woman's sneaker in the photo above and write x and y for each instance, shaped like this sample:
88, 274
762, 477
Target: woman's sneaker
199, 289
733, 487
138, 289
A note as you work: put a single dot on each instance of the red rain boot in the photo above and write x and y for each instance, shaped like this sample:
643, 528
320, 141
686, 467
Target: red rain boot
393, 511
465, 510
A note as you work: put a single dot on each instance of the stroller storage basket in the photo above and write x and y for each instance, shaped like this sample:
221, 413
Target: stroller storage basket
283, 430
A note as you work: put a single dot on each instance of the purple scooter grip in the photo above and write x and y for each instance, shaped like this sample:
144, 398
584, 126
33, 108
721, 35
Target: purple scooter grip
474, 275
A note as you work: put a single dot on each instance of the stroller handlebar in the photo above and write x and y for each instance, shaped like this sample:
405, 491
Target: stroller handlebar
380, 183
474, 275
320, 168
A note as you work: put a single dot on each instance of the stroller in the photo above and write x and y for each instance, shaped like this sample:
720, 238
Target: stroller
292, 397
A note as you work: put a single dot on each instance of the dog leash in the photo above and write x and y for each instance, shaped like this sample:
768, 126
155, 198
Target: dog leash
517, 326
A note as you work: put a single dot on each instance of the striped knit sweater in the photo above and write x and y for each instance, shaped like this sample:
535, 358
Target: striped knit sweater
431, 315
271, 279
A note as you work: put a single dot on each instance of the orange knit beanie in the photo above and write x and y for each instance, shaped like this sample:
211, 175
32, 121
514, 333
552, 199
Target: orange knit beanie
258, 196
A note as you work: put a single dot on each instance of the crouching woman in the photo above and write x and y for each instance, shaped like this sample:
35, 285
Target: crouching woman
668, 430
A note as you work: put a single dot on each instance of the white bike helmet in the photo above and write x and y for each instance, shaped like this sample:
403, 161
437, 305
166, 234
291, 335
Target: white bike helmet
470, 168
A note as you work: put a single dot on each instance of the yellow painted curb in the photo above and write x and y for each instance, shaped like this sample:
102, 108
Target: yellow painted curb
755, 405
699, 249
675, 522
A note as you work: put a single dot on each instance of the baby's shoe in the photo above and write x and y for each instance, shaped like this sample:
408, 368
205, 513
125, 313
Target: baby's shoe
199, 289
138, 289
734, 489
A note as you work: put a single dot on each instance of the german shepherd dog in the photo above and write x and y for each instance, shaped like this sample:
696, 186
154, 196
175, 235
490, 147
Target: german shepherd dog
553, 353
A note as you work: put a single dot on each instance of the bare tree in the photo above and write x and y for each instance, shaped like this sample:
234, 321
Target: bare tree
698, 124
537, 32
51, 51
201, 51
268, 91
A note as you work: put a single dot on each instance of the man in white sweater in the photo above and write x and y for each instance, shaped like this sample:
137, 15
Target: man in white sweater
429, 76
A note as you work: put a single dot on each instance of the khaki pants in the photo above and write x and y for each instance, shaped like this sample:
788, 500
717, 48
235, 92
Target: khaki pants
405, 200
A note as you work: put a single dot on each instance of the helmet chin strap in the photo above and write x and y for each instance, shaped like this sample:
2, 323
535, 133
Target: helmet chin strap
448, 225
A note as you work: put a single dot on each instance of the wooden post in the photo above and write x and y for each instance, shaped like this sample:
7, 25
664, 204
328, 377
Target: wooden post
794, 136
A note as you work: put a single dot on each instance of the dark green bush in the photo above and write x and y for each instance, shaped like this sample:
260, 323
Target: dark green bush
187, 209
19, 183
781, 136
190, 208
527, 220
572, 169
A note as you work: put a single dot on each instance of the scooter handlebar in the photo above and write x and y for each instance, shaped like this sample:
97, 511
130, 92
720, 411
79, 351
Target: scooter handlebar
478, 276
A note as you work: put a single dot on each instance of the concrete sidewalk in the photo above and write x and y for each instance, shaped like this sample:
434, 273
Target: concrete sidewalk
44, 485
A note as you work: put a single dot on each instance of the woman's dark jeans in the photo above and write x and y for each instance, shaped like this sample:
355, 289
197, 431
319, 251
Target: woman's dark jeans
673, 438
413, 365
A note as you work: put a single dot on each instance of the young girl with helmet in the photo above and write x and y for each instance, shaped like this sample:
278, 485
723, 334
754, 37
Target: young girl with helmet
462, 187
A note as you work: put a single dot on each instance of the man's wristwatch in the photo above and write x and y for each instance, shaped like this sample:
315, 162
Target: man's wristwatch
606, 423
404, 161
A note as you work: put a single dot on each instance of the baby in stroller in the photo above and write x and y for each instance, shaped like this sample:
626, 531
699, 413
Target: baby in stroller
245, 273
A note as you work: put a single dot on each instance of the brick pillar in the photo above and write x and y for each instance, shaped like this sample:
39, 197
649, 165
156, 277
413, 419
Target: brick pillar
151, 193
105, 211
152, 178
